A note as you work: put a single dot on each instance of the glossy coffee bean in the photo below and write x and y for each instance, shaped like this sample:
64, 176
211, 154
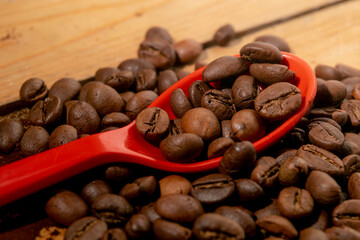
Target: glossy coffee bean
269, 210
219, 103
213, 188
94, 189
179, 208
216, 226
347, 213
312, 234
278, 101
224, 68
149, 211
139, 102
166, 79
350, 82
277, 225
86, 228
259, 52
218, 147
196, 91
83, 116
127, 95
352, 108
135, 65
11, 131
158, 52
118, 174
248, 190
326, 136
328, 73
66, 207
61, 135
179, 103
65, 89
227, 131
354, 185
141, 188
146, 79
183, 147
247, 125
152, 124
330, 92
34, 140
323, 188
115, 234
33, 89
278, 42
224, 35
174, 184
112, 208
187, 50
244, 92
115, 119
266, 172
342, 232
294, 203
165, 230
292, 171
175, 127
138, 226
120, 80
322, 221
157, 32
46, 112
266, 73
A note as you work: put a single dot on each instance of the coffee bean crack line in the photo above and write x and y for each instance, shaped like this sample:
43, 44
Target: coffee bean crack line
211, 234
322, 156
152, 123
278, 101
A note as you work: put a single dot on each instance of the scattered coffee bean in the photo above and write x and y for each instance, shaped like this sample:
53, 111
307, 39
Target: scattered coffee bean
278, 42
89, 228
224, 35
33, 89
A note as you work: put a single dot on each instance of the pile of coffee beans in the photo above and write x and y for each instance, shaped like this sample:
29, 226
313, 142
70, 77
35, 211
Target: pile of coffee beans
307, 186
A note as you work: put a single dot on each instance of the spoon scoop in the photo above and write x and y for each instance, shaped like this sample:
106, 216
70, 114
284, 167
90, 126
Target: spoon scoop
36, 172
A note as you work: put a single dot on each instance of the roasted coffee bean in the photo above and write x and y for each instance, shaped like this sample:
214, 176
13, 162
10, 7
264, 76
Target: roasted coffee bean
354, 185
323, 188
292, 171
347, 213
347, 70
141, 188
139, 102
118, 174
353, 138
213, 188
86, 228
244, 92
351, 163
199, 64
46, 112
326, 136
115, 119
278, 101
266, 172
158, 52
11, 131
196, 91
224, 68
226, 130
157, 32
179, 103
61, 135
247, 125
277, 225
138, 226
127, 95
175, 127
115, 234
218, 147
34, 140
120, 80
135, 65
224, 35
215, 226
187, 50
339, 116
174, 184
259, 52
94, 189
278, 42
323, 119
328, 73
146, 79
248, 190
165, 230
356, 91
350, 83
179, 208
112, 208
312, 234
269, 210
152, 124
238, 159
65, 207
183, 147
352, 108
201, 122
83, 116
149, 211
166, 79
180, 73
266, 73
329, 93
65, 89
219, 103
294, 203
109, 129
33, 89
342, 232
322, 221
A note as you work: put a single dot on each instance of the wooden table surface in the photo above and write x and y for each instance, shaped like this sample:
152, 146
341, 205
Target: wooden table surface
51, 39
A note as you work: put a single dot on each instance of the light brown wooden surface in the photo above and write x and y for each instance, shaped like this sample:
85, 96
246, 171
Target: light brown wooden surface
68, 38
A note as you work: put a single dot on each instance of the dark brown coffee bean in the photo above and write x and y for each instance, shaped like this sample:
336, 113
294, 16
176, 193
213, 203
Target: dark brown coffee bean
139, 102
356, 91
84, 89
277, 225
347, 70
187, 50
11, 131
354, 185
149, 211
268, 74
224, 69
199, 64
352, 108
66, 207
219, 103
166, 79
180, 73
179, 208
328, 73
215, 226
146, 79
34, 140
226, 130
218, 147
322, 221
247, 125
112, 208
201, 122
166, 230
183, 147
115, 234
152, 124
266, 172
238, 159
33, 89
350, 82
213, 188
94, 189
323, 188
330, 92
174, 184
138, 226
259, 52
224, 35
342, 232
295, 203
135, 65
292, 171
158, 52
179, 103
175, 127
339, 116
278, 42
61, 135
118, 174
83, 117
326, 136
347, 213
120, 80
248, 190
278, 101
196, 91
244, 92
65, 89
86, 228
46, 112
352, 164
127, 95
141, 188
270, 209
157, 32
115, 119
312, 234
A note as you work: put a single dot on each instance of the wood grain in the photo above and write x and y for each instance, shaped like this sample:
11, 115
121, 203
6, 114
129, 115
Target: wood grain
67, 38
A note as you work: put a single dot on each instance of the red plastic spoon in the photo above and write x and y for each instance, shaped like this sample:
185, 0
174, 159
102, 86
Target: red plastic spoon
31, 174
